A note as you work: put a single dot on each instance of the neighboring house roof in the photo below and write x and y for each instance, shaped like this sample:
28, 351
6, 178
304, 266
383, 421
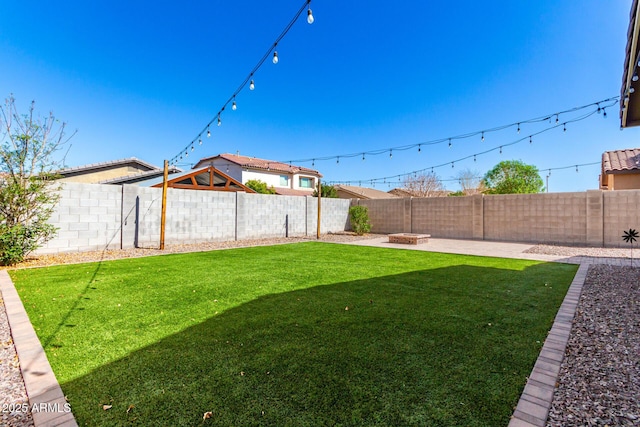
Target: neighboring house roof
141, 177
93, 167
621, 161
255, 163
630, 109
363, 192
399, 192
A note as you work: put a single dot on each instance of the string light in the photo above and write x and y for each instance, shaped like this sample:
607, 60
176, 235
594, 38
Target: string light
391, 154
482, 138
518, 128
419, 148
565, 127
249, 79
310, 18
200, 141
530, 139
208, 134
450, 143
363, 157
234, 106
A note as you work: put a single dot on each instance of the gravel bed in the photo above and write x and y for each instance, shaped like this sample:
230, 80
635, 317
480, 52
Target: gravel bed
570, 251
599, 382
13, 396
95, 256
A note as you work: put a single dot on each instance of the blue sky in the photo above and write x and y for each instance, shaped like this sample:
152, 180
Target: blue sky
143, 79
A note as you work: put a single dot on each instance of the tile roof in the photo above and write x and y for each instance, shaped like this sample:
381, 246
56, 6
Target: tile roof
621, 160
255, 163
364, 192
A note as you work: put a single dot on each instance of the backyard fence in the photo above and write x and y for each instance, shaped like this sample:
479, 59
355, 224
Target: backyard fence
591, 218
97, 217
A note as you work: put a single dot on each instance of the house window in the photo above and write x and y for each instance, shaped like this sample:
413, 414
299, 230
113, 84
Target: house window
284, 181
306, 182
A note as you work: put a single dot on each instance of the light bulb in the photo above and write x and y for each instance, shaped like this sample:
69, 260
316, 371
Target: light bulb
275, 57
362, 156
234, 106
631, 90
208, 134
518, 127
310, 18
419, 148
530, 140
391, 154
450, 143
482, 139
252, 85
219, 120
200, 142
192, 147
635, 77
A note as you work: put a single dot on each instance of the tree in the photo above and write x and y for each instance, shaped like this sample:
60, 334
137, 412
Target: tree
328, 191
27, 192
423, 185
259, 186
470, 182
513, 177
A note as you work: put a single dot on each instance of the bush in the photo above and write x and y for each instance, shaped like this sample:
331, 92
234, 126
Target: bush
259, 186
359, 217
18, 241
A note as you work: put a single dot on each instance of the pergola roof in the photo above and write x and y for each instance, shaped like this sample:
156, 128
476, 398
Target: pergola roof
208, 178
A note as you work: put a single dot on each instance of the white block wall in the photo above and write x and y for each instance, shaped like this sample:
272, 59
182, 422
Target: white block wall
98, 217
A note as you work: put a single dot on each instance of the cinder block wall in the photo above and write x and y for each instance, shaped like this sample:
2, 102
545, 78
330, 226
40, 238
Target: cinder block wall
550, 218
334, 218
98, 217
388, 215
444, 216
265, 215
592, 218
87, 217
621, 212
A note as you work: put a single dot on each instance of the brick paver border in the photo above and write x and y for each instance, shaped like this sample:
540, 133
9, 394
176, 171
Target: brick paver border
535, 401
46, 400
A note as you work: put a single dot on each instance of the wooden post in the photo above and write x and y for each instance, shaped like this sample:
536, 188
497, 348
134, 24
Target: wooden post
319, 208
163, 217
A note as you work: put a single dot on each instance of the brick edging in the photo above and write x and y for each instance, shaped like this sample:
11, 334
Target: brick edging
535, 401
46, 399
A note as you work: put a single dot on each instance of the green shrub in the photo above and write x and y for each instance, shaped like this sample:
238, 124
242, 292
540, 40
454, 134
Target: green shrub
18, 241
359, 217
259, 186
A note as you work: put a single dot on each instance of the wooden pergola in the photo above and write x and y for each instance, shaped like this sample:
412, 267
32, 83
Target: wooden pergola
209, 178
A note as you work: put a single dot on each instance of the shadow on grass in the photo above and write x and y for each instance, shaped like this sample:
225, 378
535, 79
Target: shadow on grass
421, 348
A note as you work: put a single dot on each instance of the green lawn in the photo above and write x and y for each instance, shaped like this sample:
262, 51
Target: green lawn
263, 336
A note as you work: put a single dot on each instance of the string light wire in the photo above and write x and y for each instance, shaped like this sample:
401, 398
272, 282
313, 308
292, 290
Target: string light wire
386, 179
249, 78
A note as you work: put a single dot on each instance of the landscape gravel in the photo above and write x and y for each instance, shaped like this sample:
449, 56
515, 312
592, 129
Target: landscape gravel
599, 382
13, 396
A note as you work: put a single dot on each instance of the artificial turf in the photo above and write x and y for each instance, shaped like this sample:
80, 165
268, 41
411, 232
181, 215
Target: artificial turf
299, 334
